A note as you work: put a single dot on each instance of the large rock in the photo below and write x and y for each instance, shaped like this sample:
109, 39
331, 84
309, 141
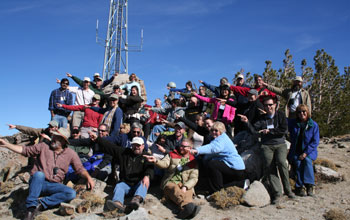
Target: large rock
328, 174
253, 163
140, 214
257, 195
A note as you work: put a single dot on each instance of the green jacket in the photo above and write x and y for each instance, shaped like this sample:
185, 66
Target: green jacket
287, 93
189, 172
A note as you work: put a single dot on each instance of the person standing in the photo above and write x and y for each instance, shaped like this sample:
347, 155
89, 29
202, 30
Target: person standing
305, 137
272, 128
294, 96
61, 96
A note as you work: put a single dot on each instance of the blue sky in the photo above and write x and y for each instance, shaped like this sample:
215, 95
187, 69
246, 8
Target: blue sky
183, 40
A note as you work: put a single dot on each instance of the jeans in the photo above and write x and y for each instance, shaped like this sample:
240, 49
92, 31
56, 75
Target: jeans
156, 129
54, 193
276, 155
62, 121
122, 189
304, 171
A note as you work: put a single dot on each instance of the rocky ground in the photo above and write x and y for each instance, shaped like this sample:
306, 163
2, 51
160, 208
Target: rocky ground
332, 199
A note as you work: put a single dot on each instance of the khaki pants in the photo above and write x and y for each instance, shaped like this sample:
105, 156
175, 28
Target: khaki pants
78, 117
173, 192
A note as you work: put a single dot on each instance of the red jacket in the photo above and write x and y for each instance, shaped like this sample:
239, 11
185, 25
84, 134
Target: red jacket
244, 91
91, 118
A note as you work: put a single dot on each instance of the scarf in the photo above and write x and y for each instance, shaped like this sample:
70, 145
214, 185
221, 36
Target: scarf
108, 118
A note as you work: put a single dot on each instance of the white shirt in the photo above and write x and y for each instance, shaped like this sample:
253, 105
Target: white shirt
296, 96
82, 97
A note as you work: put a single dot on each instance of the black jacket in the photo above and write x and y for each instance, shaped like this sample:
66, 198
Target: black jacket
133, 168
276, 134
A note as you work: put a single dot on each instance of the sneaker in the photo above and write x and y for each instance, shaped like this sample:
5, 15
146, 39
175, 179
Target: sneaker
310, 190
299, 191
246, 184
111, 205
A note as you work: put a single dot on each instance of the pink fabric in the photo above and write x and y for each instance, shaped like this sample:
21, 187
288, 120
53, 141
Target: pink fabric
229, 111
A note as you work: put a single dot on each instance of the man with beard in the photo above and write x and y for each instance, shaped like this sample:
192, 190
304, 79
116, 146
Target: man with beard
295, 96
49, 171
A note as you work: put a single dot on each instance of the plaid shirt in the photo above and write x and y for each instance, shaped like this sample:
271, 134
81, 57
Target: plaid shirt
63, 97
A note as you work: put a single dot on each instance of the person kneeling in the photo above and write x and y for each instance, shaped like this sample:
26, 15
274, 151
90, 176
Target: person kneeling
180, 178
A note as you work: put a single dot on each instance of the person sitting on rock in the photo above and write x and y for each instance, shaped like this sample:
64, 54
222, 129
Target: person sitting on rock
180, 177
133, 82
49, 171
224, 166
135, 173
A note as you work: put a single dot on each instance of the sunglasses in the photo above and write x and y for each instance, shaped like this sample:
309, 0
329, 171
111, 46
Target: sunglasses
99, 130
214, 130
65, 84
136, 132
302, 111
268, 105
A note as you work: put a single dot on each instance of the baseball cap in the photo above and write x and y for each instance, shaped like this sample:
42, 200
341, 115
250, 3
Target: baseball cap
53, 123
298, 78
240, 76
63, 132
86, 79
181, 125
97, 97
253, 92
96, 74
137, 140
113, 97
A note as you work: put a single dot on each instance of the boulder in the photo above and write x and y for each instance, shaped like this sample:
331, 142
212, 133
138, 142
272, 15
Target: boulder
257, 195
139, 214
327, 174
253, 163
66, 209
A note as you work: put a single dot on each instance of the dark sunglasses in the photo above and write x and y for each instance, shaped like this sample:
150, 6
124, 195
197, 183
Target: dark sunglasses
268, 104
302, 111
65, 84
102, 130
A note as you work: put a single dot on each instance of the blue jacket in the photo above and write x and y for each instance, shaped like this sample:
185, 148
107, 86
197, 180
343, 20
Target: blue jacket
310, 141
223, 149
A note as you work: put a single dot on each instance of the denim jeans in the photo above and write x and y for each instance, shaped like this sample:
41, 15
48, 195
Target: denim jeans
304, 171
122, 189
156, 129
62, 120
54, 193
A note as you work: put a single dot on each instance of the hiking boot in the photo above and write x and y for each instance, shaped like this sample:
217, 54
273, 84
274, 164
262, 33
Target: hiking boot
310, 190
33, 211
113, 205
189, 211
299, 191
291, 195
276, 200
135, 202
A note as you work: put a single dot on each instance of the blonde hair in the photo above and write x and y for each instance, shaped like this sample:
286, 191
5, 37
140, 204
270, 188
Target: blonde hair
303, 107
219, 126
124, 128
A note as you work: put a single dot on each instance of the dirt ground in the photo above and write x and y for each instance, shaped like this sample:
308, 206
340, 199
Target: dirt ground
328, 196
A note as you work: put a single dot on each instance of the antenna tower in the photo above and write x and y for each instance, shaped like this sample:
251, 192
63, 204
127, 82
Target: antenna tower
116, 43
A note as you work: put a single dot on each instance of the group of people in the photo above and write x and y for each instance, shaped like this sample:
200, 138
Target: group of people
187, 139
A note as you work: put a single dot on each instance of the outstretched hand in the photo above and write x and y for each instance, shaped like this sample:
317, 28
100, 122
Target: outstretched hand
151, 159
243, 118
69, 75
11, 126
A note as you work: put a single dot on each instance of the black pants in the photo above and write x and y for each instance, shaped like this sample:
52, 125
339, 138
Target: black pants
221, 176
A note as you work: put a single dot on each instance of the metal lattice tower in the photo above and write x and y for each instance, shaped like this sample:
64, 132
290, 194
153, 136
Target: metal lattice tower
116, 44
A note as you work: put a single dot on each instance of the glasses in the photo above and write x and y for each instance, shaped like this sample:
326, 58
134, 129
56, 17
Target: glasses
214, 130
65, 84
302, 111
136, 132
99, 130
184, 145
268, 105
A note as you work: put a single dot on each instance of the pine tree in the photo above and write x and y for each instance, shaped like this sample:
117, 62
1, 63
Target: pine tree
325, 93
